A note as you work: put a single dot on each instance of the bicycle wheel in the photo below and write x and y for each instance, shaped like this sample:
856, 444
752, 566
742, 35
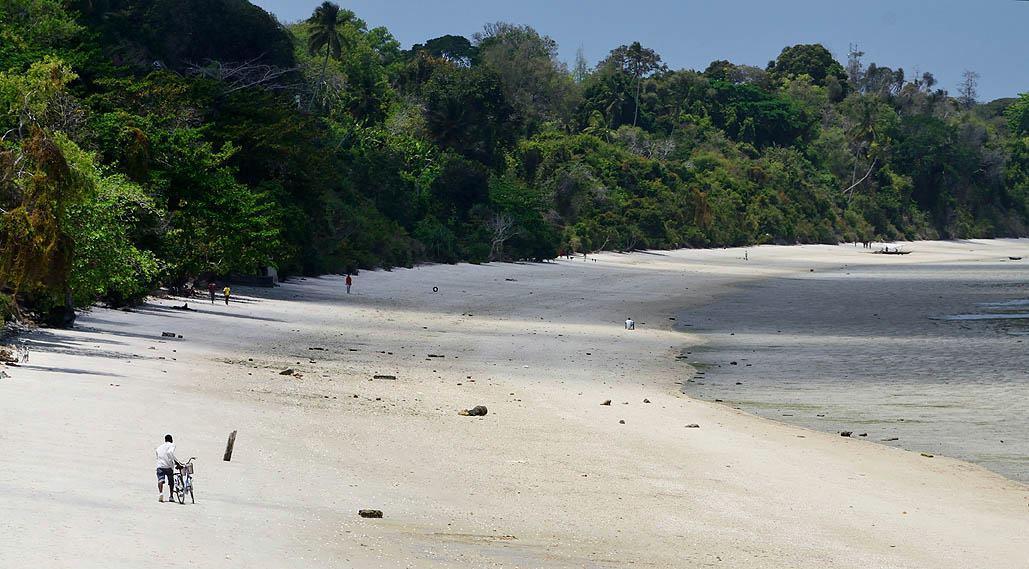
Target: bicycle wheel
180, 491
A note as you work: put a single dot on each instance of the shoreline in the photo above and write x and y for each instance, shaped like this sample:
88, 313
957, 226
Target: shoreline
550, 477
785, 375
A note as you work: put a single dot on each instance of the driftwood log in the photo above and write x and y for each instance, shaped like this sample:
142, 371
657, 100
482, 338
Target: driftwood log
228, 446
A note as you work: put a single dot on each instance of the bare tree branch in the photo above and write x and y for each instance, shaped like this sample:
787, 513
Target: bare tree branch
863, 178
237, 76
502, 228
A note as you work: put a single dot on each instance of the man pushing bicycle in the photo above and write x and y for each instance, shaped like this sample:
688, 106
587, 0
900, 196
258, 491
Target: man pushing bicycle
166, 463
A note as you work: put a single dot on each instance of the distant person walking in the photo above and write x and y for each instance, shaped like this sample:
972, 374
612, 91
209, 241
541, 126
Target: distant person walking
630, 324
166, 462
227, 292
211, 289
349, 282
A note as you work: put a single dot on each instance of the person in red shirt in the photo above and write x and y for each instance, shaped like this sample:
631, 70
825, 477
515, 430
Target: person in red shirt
210, 289
349, 282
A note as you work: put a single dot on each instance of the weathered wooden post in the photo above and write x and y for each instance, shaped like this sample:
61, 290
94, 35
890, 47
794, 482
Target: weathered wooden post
228, 446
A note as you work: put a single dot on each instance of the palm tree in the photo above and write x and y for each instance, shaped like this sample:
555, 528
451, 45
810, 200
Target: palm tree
867, 136
325, 23
638, 62
642, 62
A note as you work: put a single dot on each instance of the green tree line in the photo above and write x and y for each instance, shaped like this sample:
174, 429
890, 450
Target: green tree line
151, 143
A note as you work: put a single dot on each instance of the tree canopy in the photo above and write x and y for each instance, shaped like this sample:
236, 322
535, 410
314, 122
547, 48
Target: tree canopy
154, 143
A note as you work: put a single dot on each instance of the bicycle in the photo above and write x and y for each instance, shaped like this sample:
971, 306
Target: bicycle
183, 481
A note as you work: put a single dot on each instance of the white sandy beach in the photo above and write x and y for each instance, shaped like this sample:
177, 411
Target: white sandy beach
549, 478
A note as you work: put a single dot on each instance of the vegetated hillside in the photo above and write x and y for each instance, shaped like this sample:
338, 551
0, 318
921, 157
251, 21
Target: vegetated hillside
155, 141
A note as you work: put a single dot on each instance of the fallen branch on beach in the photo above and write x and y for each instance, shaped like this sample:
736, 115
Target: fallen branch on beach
228, 446
14, 354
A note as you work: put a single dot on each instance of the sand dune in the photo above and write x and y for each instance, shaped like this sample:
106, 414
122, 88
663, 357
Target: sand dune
549, 478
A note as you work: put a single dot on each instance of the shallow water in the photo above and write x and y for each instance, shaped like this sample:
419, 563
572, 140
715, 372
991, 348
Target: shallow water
934, 356
981, 317
1017, 303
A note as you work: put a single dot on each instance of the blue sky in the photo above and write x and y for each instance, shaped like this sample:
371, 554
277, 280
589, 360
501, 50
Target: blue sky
942, 36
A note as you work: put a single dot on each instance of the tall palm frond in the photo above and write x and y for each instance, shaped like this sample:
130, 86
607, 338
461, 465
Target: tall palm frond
326, 22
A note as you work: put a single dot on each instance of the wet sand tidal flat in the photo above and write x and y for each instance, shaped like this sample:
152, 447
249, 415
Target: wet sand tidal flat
931, 358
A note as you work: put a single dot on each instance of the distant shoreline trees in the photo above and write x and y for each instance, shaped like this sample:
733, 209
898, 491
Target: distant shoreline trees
130, 159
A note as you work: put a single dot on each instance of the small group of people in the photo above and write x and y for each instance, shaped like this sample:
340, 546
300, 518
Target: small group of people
211, 288
885, 249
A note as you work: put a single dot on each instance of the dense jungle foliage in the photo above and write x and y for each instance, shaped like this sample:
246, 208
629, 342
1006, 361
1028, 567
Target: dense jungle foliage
153, 142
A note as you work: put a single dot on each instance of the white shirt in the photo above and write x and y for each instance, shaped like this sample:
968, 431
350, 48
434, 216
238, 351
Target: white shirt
166, 455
